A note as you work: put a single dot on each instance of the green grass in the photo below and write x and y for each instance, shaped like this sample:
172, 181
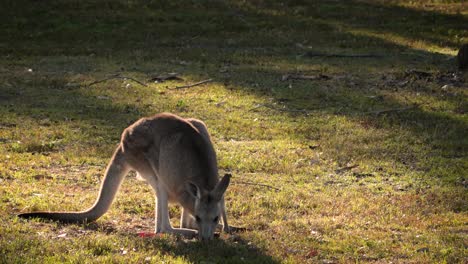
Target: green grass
405, 202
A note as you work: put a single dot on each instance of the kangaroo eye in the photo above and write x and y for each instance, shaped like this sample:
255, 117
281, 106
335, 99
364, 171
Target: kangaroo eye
197, 218
216, 219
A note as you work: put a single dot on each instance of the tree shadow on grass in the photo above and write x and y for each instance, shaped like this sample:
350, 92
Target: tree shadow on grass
432, 27
441, 131
115, 28
439, 134
257, 36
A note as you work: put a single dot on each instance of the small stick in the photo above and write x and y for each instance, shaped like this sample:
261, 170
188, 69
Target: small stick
304, 77
257, 184
117, 76
191, 85
281, 110
311, 54
391, 110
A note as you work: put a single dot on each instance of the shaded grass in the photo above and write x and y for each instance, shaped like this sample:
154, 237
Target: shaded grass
405, 202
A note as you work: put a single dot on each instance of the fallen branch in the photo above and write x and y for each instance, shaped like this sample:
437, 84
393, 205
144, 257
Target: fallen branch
191, 85
257, 184
168, 77
347, 168
117, 76
384, 111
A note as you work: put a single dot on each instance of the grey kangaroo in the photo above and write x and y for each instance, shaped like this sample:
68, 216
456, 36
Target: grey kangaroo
176, 157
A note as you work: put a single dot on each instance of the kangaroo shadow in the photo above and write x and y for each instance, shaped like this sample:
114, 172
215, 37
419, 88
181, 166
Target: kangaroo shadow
233, 250
230, 248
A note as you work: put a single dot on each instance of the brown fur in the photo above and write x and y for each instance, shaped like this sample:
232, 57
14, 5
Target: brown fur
176, 157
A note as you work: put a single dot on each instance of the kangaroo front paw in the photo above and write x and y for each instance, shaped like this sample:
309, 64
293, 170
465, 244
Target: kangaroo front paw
185, 232
227, 229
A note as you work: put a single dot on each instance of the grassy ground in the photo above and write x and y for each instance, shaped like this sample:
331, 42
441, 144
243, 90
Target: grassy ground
367, 163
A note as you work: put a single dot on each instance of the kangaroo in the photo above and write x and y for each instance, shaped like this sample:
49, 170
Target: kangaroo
176, 157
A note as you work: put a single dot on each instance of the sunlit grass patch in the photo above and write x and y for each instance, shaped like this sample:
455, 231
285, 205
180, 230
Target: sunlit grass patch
362, 161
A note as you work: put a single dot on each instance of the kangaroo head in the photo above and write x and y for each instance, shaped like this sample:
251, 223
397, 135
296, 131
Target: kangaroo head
207, 207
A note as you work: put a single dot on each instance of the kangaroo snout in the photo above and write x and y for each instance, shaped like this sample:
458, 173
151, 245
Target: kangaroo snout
205, 234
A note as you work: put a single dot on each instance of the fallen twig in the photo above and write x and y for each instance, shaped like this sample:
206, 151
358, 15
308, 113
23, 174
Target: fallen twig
315, 54
418, 74
347, 168
116, 76
304, 77
191, 85
281, 109
257, 184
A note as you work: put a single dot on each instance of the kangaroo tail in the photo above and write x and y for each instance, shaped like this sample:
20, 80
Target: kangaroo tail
115, 173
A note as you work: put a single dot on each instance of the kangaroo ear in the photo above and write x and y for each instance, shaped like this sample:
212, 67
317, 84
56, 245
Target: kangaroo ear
193, 190
221, 187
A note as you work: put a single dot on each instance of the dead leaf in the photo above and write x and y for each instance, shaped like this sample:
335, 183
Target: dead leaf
146, 234
423, 250
312, 253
